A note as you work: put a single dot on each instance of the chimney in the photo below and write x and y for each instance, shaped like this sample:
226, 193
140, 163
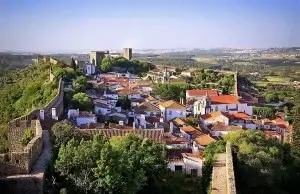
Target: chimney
155, 125
171, 127
133, 125
121, 123
77, 113
54, 113
42, 114
161, 120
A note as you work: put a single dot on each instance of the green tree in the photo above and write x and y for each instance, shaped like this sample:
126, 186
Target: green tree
80, 84
27, 137
296, 133
266, 112
122, 165
82, 102
106, 64
73, 64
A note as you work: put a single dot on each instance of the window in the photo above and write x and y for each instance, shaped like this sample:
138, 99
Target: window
217, 108
170, 112
151, 114
194, 172
226, 107
178, 168
199, 106
181, 113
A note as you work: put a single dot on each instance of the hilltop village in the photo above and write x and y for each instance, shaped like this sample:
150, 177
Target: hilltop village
114, 95
124, 102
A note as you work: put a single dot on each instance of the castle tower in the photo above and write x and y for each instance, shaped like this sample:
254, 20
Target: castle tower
127, 53
97, 56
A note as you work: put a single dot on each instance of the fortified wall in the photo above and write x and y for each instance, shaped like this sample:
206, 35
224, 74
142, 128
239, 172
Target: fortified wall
223, 179
20, 160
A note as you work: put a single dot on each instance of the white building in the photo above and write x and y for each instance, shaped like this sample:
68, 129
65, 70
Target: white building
126, 92
85, 118
90, 69
190, 164
171, 109
224, 103
148, 109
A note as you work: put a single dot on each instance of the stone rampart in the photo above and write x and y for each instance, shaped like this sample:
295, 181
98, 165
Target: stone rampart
223, 180
230, 178
20, 160
17, 127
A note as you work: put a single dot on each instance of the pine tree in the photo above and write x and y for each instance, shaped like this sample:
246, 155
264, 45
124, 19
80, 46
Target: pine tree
73, 64
296, 133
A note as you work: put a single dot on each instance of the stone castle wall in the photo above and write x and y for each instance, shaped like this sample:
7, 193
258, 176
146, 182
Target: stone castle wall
20, 160
230, 178
17, 127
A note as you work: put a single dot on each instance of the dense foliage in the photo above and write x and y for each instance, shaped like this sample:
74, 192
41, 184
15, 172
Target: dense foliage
296, 133
134, 65
266, 112
22, 91
128, 164
171, 91
82, 102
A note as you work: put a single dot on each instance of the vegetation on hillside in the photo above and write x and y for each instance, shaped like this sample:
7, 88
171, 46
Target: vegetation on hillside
128, 164
23, 91
263, 165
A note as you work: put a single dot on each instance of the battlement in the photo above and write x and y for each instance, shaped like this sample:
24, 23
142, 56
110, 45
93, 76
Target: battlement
21, 160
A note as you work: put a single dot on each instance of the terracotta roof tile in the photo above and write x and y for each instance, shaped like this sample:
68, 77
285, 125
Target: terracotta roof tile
171, 104
127, 91
175, 140
86, 114
147, 106
200, 155
224, 99
202, 92
204, 139
156, 135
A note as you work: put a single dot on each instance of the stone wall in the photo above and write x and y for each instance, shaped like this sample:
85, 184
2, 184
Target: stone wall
22, 185
21, 161
17, 127
223, 180
230, 178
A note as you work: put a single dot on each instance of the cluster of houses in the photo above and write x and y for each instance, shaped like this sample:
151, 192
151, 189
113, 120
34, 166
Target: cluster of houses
166, 121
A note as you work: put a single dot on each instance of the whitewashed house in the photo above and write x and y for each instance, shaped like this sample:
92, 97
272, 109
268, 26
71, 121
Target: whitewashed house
224, 103
90, 69
130, 93
85, 118
171, 109
189, 164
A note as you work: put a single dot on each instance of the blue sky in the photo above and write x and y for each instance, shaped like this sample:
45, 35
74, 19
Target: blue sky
83, 25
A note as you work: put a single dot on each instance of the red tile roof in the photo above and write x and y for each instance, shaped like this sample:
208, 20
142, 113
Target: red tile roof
279, 121
200, 155
213, 115
202, 92
86, 114
240, 116
156, 135
176, 140
224, 99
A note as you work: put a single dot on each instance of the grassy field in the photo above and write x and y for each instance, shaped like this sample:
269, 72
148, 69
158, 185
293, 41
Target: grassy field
207, 60
261, 83
277, 79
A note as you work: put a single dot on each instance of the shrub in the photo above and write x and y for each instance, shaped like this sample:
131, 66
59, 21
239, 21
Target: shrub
27, 137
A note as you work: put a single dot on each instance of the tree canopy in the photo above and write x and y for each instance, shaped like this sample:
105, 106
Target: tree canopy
82, 102
121, 165
106, 64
